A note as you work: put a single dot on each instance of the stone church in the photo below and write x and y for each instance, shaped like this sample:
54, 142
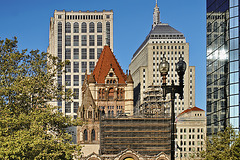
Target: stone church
107, 92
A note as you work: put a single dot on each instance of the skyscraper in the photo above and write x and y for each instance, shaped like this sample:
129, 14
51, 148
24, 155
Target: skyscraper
78, 37
163, 40
222, 65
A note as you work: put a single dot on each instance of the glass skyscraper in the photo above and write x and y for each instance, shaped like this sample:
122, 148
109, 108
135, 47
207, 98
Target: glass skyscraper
222, 65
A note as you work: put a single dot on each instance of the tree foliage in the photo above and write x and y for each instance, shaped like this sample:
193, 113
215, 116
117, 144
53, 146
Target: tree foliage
225, 145
30, 128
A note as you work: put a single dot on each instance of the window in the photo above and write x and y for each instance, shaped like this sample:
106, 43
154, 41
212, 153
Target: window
84, 53
91, 66
76, 80
84, 67
91, 40
76, 67
91, 53
111, 93
68, 53
85, 135
209, 27
99, 40
75, 105
76, 40
75, 53
84, 27
68, 27
60, 40
108, 33
83, 77
99, 51
68, 80
68, 107
93, 136
68, 67
91, 27
76, 93
68, 41
75, 27
84, 40
99, 27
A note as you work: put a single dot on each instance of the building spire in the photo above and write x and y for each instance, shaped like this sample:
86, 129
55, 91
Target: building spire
156, 15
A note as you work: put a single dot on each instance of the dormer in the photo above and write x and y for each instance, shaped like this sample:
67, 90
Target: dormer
111, 77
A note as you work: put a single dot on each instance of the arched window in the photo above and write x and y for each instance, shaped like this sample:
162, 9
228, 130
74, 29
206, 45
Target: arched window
100, 93
215, 27
99, 27
111, 93
209, 27
68, 27
84, 27
91, 27
85, 135
109, 113
222, 26
75, 27
103, 94
121, 94
112, 113
93, 136
90, 114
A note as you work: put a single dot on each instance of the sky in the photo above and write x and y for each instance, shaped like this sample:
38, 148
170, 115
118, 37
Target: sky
29, 21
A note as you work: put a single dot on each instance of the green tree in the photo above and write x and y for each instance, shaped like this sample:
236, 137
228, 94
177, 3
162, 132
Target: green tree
223, 146
30, 128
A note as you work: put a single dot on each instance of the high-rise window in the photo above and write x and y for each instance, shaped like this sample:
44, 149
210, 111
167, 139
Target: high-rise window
76, 93
60, 40
67, 107
76, 80
99, 51
68, 41
108, 33
91, 27
68, 53
91, 40
84, 27
84, 67
75, 27
68, 80
68, 27
99, 27
91, 53
91, 66
68, 67
76, 67
99, 40
76, 40
75, 53
76, 105
84, 53
82, 78
84, 40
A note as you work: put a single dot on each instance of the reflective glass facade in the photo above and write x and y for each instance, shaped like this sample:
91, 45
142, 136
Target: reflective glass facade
222, 65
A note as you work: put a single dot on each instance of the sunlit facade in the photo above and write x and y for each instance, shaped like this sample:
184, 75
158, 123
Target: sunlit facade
222, 65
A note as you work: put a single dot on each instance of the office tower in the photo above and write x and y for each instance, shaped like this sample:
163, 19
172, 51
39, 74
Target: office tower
191, 133
78, 37
163, 40
222, 65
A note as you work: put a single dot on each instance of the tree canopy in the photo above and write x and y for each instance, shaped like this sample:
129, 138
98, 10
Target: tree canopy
225, 145
30, 128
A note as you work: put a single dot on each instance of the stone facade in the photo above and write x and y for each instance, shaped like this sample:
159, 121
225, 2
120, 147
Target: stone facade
107, 91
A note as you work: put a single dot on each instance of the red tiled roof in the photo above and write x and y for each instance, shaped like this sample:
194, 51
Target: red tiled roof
105, 62
191, 109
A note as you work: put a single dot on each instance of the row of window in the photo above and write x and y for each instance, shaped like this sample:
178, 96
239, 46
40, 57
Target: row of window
83, 17
183, 143
68, 67
86, 136
68, 107
68, 80
184, 130
168, 47
76, 40
91, 28
167, 41
191, 136
109, 94
75, 55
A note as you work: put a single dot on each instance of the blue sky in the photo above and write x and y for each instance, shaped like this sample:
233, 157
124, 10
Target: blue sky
29, 21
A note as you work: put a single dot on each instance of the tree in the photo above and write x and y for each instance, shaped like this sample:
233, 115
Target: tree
224, 145
30, 128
